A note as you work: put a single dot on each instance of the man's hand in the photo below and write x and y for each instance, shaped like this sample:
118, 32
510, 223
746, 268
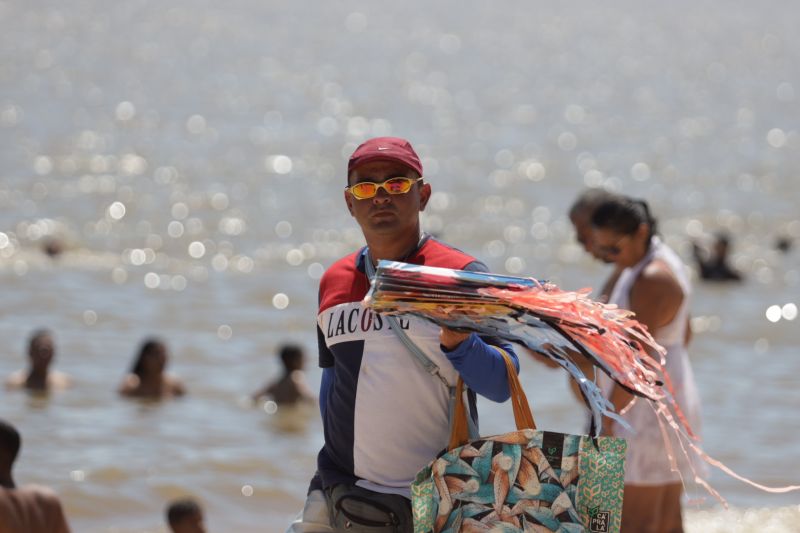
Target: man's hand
450, 338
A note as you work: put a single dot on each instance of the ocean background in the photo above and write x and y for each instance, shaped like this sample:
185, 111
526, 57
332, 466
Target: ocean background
189, 157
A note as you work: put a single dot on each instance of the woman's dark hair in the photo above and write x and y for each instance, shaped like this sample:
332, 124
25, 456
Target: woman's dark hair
148, 346
624, 215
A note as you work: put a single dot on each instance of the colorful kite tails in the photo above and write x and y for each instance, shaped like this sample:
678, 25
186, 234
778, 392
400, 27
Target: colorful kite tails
560, 325
557, 324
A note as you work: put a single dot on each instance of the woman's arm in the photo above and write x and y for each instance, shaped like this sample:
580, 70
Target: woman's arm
656, 298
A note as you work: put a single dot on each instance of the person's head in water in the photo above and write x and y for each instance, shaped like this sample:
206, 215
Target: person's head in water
147, 377
580, 214
41, 350
722, 245
52, 247
292, 357
783, 244
622, 229
10, 442
152, 359
185, 516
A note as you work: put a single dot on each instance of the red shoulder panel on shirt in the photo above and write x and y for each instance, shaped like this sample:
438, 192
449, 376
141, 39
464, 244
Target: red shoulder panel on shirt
344, 283
437, 253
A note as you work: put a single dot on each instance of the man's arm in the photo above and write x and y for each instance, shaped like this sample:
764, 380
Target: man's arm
326, 362
478, 360
324, 389
482, 366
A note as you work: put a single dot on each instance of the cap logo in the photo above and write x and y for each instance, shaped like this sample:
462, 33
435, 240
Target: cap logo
385, 148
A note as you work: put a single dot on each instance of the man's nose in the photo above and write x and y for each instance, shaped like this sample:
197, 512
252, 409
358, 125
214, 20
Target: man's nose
382, 197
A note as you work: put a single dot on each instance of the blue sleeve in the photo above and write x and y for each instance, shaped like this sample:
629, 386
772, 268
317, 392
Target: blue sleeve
482, 367
324, 389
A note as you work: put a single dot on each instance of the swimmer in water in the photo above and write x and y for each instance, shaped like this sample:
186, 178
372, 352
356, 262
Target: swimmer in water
147, 378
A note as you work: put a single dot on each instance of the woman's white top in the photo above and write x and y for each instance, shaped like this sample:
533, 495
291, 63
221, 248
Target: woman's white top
647, 461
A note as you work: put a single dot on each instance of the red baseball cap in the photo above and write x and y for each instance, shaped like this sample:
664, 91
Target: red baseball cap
385, 149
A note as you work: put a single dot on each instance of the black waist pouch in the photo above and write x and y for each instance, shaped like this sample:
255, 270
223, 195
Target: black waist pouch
355, 509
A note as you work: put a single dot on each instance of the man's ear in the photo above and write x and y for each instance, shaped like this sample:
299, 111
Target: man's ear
348, 199
424, 195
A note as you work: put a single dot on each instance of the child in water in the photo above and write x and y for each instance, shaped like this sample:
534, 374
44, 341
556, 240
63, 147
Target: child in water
291, 387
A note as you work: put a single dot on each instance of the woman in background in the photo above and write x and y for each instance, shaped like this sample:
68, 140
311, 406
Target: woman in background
147, 378
653, 283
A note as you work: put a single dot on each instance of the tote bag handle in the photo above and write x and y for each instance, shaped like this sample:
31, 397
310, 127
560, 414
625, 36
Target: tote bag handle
522, 411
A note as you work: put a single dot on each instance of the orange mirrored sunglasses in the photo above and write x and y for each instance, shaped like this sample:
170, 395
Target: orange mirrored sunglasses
368, 189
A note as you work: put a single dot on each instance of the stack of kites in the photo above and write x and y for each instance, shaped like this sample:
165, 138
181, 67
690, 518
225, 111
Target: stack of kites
560, 325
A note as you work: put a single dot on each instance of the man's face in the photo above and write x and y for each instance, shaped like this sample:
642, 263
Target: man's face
585, 236
387, 215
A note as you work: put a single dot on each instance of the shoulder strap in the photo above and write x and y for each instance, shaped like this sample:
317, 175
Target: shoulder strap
415, 350
523, 417
429, 366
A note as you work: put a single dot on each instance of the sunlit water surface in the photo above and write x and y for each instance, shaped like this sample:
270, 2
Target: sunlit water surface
190, 157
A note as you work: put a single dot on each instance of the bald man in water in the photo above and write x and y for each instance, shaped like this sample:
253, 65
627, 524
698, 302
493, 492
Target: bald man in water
29, 509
